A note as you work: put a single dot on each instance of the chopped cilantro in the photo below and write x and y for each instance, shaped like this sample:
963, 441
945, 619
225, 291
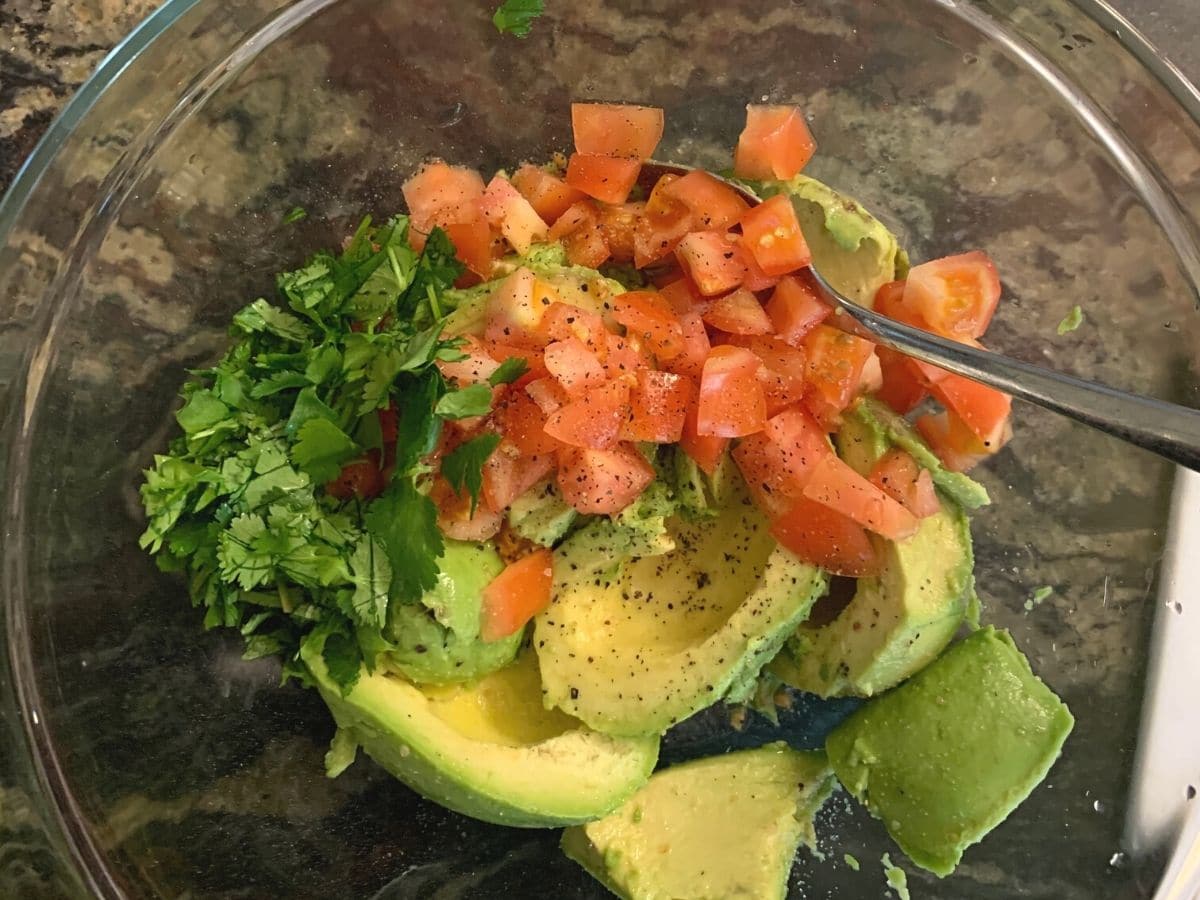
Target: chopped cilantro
1039, 595
515, 17
1071, 321
463, 466
510, 370
295, 214
473, 400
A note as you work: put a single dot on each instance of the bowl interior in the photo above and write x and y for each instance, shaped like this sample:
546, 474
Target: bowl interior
183, 770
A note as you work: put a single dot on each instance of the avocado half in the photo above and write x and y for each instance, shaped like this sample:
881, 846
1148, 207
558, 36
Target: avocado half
633, 647
488, 749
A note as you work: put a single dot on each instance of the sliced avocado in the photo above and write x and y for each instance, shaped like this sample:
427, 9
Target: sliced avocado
850, 247
633, 647
723, 827
438, 641
541, 514
898, 621
489, 750
944, 758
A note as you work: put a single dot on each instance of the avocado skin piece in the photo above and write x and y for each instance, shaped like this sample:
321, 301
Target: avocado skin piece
898, 621
722, 827
944, 758
564, 779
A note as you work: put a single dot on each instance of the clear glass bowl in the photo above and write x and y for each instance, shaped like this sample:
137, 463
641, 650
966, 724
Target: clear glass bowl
159, 764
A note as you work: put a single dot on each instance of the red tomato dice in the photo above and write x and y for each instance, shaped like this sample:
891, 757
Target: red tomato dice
360, 478
732, 401
835, 366
439, 195
756, 279
626, 356
771, 232
827, 538
775, 143
738, 312
473, 244
522, 422
903, 387
516, 595
648, 316
658, 405
778, 462
455, 518
549, 195
982, 409
579, 230
612, 129
594, 418
899, 476
575, 366
507, 474
696, 346
834, 484
562, 321
606, 178
795, 309
954, 443
713, 204
548, 394
664, 222
705, 450
956, 295
602, 482
515, 217
783, 373
475, 369
711, 261
618, 223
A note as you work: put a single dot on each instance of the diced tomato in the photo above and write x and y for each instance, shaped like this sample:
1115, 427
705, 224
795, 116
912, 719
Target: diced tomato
795, 310
982, 409
834, 484
626, 356
594, 418
535, 366
515, 217
508, 473
606, 178
903, 389
956, 295
775, 143
871, 379
732, 400
771, 232
889, 300
778, 462
835, 366
361, 478
783, 373
705, 450
756, 279
547, 393
613, 129
658, 405
617, 226
513, 314
682, 295
440, 195
473, 245
549, 195
575, 366
738, 312
714, 205
690, 361
522, 421
649, 317
663, 223
455, 518
579, 230
827, 538
562, 321
602, 482
711, 261
898, 475
475, 369
516, 595
954, 443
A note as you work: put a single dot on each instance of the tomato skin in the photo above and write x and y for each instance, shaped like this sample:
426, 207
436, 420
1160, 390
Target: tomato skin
984, 410
953, 442
516, 595
664, 222
575, 366
602, 482
899, 476
705, 450
360, 478
778, 462
771, 232
389, 423
648, 316
826, 538
617, 226
579, 230
713, 205
738, 312
506, 209
732, 400
594, 418
618, 130
606, 178
658, 405
835, 365
956, 295
795, 309
775, 143
834, 484
439, 195
507, 474
756, 279
711, 261
522, 422
472, 240
549, 195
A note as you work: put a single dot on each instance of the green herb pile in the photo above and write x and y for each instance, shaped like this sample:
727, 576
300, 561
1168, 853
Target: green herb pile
238, 503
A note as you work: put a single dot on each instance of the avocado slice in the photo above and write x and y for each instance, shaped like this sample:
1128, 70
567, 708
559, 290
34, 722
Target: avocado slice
633, 647
541, 514
944, 758
899, 621
722, 827
489, 749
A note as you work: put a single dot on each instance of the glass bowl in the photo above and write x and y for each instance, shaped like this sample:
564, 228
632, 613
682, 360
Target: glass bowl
144, 758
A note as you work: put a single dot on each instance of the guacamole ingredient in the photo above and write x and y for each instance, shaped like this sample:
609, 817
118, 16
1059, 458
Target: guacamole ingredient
775, 143
896, 877
1038, 596
945, 757
727, 826
516, 17
851, 862
1070, 321
516, 595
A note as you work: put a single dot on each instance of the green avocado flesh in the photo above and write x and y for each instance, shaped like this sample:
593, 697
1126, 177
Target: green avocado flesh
489, 749
723, 827
634, 647
943, 759
897, 622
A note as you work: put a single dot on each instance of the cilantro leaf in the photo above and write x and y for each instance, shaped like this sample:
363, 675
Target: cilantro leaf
1071, 321
404, 521
436, 270
473, 400
321, 448
261, 316
510, 370
295, 214
276, 382
372, 575
516, 16
308, 406
343, 660
418, 428
463, 466
202, 413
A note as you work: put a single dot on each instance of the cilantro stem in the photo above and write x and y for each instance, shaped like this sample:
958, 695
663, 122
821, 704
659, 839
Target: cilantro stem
434, 307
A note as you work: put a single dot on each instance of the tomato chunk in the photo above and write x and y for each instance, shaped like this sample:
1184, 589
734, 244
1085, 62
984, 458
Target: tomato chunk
658, 405
548, 394
732, 400
439, 195
549, 195
956, 295
835, 366
618, 223
778, 463
775, 143
834, 484
579, 230
903, 389
899, 476
705, 450
455, 518
515, 309
664, 222
954, 443
756, 279
713, 204
522, 422
508, 473
360, 478
626, 356
602, 482
516, 595
771, 232
563, 320
738, 312
613, 129
711, 261
606, 178
696, 345
575, 366
647, 316
827, 538
982, 409
783, 372
795, 309
505, 208
594, 418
